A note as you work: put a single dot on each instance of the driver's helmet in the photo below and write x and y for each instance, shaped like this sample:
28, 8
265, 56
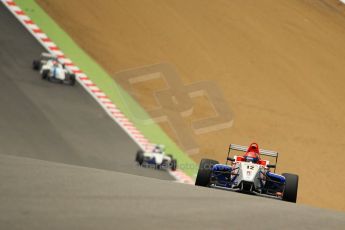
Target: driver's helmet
252, 154
55, 63
251, 157
158, 149
53, 59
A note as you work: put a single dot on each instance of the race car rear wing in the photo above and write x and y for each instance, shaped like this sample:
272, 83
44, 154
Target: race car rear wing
46, 55
263, 152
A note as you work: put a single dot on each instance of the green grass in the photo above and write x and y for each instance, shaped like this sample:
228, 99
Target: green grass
100, 77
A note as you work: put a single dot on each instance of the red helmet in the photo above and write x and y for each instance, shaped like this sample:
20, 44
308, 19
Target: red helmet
253, 147
252, 154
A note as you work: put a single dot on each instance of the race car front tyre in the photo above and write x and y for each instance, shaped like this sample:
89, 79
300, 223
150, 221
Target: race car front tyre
173, 165
45, 74
140, 157
36, 64
204, 172
291, 187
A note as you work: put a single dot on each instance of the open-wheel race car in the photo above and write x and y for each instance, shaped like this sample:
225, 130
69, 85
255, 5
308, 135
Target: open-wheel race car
157, 158
248, 174
52, 70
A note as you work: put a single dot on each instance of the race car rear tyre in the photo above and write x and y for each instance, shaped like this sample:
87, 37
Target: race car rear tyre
45, 74
204, 172
173, 164
140, 157
291, 187
36, 64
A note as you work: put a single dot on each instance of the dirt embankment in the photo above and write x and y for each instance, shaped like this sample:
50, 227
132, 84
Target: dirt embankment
279, 64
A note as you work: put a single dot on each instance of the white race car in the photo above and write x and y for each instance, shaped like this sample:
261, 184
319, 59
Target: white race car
52, 70
156, 157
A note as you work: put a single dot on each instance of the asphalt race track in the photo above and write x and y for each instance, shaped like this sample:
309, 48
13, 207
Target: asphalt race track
54, 122
45, 195
65, 165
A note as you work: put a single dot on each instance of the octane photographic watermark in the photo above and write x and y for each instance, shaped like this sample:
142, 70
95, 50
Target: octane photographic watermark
181, 166
174, 102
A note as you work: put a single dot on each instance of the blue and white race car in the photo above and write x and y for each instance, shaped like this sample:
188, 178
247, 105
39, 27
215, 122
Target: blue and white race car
249, 174
52, 70
157, 158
